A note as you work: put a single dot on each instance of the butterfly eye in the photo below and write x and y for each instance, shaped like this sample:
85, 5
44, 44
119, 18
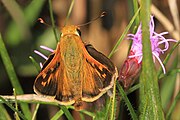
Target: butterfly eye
79, 32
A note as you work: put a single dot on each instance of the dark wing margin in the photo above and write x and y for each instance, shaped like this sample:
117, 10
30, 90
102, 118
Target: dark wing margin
46, 86
100, 57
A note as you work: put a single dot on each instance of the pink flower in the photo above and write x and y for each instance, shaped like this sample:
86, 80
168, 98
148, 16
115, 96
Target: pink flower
156, 40
132, 65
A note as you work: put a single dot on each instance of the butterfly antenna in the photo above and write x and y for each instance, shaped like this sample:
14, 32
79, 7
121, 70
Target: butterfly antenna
42, 21
100, 16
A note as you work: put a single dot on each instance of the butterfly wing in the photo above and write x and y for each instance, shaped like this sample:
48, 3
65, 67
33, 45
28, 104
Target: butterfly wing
101, 74
51, 81
45, 79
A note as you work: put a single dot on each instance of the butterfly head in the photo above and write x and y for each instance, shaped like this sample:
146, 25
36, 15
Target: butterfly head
70, 30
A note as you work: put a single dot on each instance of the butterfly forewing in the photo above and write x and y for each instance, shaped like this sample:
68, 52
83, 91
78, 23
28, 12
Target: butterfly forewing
102, 74
52, 82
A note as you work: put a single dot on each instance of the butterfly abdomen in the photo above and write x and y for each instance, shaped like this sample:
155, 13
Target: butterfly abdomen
72, 58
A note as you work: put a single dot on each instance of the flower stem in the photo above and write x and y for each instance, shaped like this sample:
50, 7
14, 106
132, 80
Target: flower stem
150, 105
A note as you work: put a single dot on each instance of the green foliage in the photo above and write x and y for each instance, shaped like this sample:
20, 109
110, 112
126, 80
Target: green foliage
150, 104
124, 34
126, 100
12, 75
3, 113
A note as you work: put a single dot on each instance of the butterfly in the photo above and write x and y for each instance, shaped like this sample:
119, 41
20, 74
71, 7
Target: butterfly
75, 72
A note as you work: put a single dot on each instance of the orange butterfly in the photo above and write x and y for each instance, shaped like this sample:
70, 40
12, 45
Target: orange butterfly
75, 72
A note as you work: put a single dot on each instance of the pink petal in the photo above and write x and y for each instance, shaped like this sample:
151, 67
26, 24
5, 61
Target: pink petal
46, 48
40, 54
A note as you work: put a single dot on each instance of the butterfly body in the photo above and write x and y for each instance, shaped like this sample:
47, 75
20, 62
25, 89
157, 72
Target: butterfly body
75, 72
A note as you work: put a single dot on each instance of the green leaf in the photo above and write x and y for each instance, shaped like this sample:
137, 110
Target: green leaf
113, 104
108, 106
66, 112
35, 63
35, 111
124, 34
12, 76
69, 11
176, 100
168, 84
16, 105
150, 104
127, 102
3, 113
12, 108
135, 4
133, 88
57, 115
52, 20
88, 113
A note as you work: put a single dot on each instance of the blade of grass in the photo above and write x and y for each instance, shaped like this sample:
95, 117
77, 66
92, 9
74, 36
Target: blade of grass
168, 57
38, 69
135, 26
168, 116
69, 12
16, 105
135, 4
167, 89
3, 113
133, 88
52, 20
127, 102
9, 67
35, 63
82, 116
12, 76
60, 113
171, 72
168, 84
83, 111
35, 112
12, 108
123, 35
113, 105
57, 115
88, 113
150, 104
66, 112
108, 106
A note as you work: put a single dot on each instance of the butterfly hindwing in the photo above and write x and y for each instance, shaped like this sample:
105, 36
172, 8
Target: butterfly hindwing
46, 82
102, 74
52, 82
